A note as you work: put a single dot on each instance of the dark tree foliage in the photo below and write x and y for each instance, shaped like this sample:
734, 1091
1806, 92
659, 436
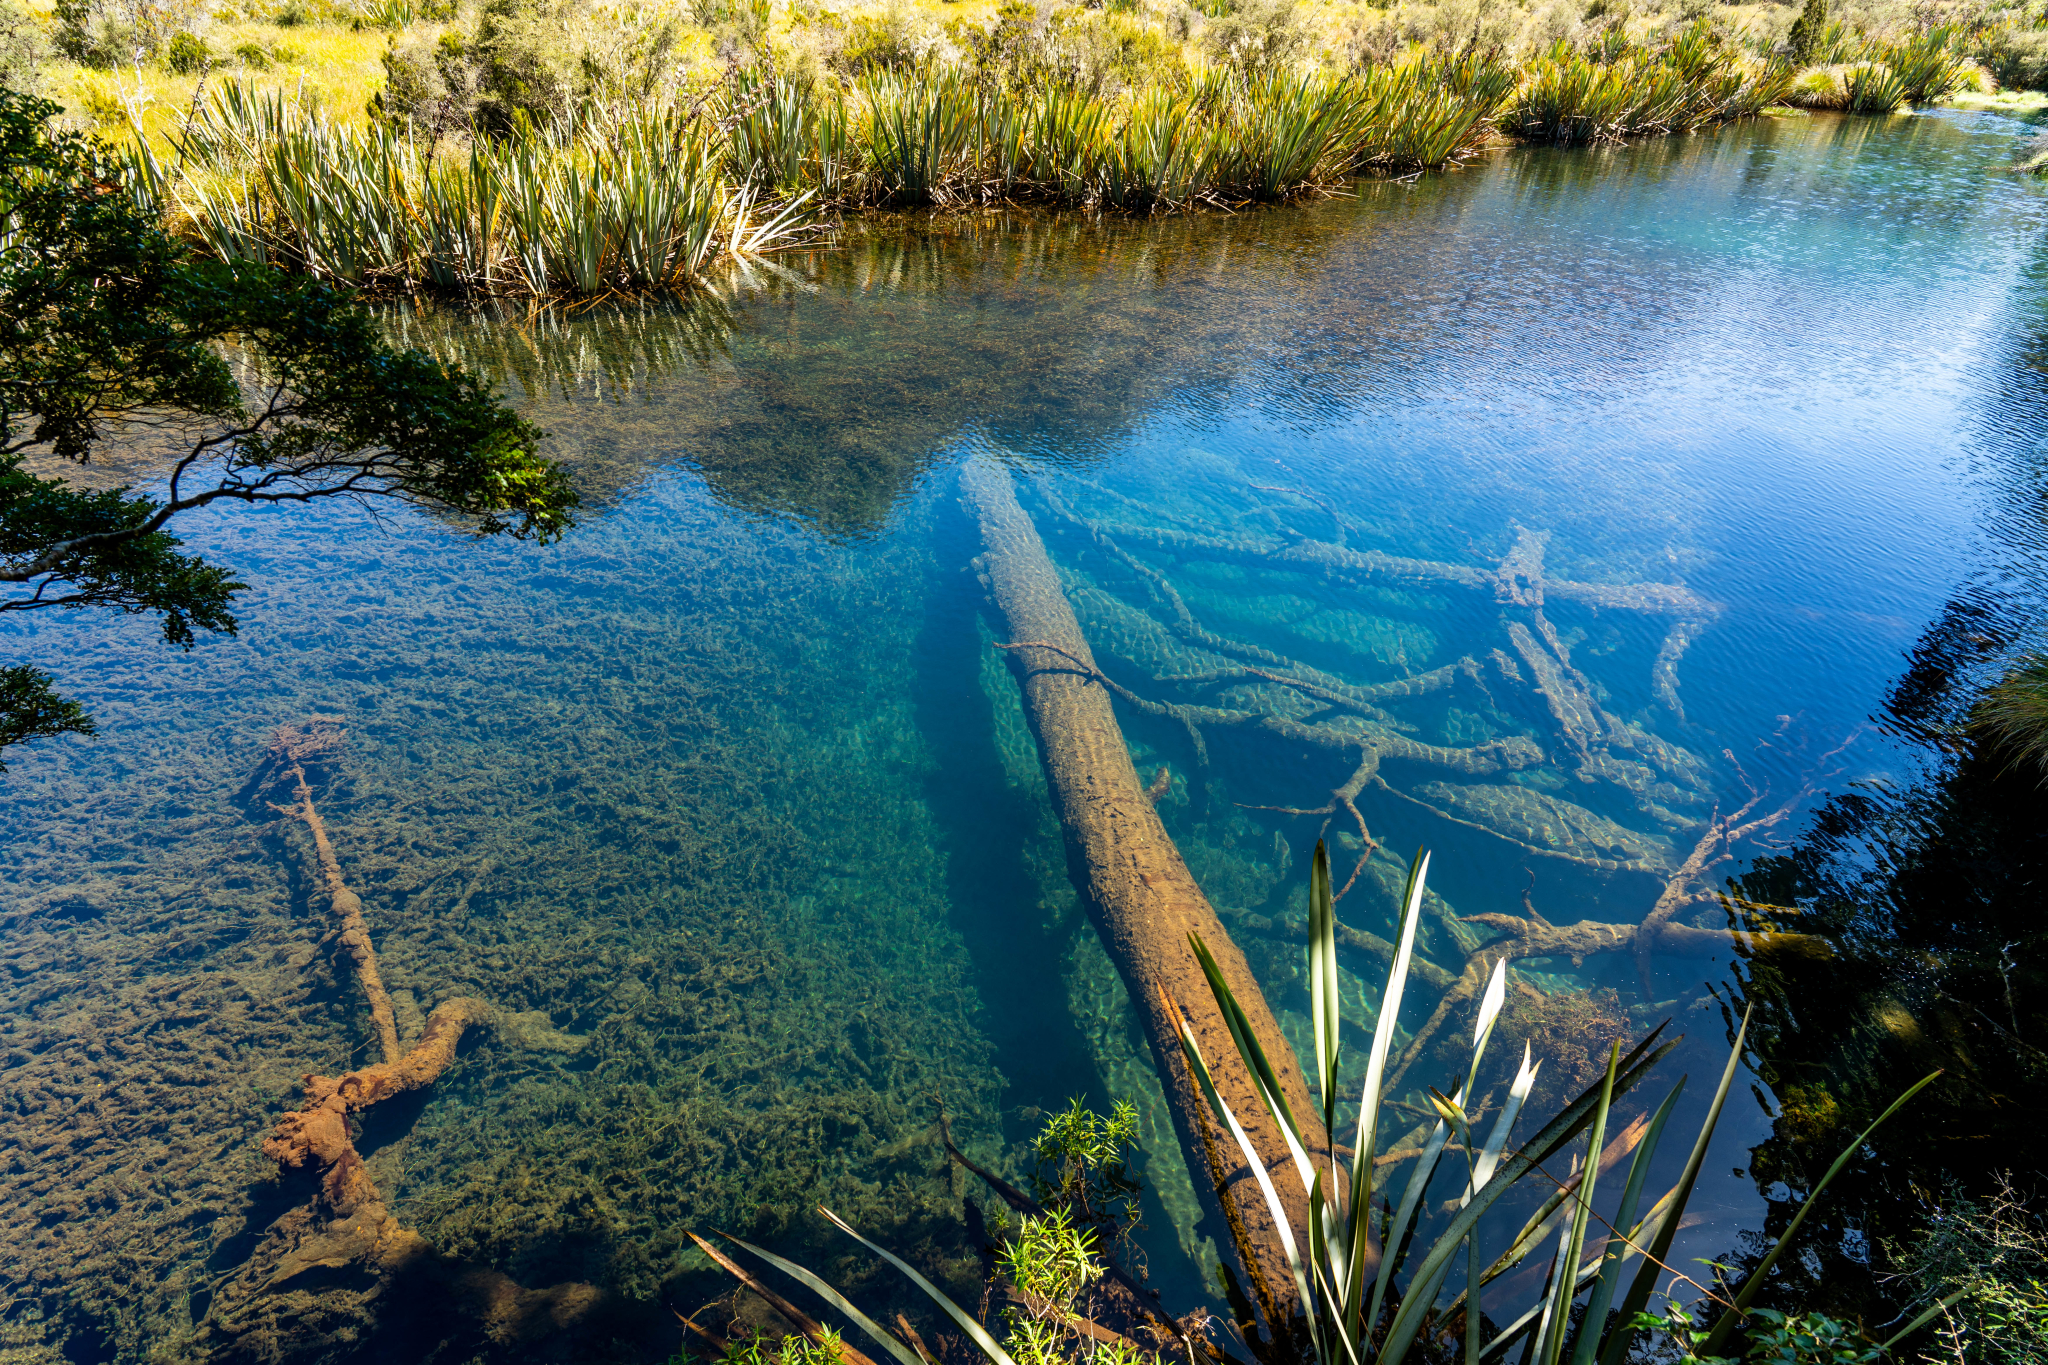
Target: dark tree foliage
272, 389
1931, 893
1807, 29
30, 710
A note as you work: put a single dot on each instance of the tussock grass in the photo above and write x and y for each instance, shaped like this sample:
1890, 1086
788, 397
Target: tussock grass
1917, 70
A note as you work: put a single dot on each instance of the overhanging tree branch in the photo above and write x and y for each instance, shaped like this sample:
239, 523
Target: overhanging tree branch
105, 318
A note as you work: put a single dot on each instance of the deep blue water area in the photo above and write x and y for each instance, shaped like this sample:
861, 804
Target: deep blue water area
732, 786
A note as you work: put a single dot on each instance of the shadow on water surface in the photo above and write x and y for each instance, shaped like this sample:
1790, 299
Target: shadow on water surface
1931, 885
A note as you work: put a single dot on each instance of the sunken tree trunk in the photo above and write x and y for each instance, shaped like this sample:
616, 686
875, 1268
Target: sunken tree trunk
1144, 901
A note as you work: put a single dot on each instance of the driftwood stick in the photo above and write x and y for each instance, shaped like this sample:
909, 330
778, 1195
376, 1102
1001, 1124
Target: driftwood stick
1713, 847
1346, 797
1664, 669
1535, 937
316, 1135
1653, 598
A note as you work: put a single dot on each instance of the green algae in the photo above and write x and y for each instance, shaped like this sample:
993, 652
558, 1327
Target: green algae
664, 832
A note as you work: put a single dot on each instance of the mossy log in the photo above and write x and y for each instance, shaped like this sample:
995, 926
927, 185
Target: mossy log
1142, 897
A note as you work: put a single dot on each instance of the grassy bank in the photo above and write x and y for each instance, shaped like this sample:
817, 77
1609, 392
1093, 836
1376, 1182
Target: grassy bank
564, 146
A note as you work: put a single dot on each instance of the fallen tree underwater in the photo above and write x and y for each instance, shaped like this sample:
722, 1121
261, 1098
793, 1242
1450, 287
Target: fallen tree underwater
1141, 894
347, 1227
1138, 889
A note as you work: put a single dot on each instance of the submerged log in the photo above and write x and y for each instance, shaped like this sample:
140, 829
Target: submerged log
347, 1225
1144, 900
316, 1137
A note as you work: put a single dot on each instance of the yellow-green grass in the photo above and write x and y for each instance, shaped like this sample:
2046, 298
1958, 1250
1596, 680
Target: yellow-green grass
342, 65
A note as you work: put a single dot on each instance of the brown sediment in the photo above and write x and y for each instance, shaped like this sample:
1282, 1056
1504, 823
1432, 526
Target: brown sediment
1144, 900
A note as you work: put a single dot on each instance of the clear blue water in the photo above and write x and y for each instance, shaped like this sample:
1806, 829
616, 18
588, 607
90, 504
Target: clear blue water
733, 785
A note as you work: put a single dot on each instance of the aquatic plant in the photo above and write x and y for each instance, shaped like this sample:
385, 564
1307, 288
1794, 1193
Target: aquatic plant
2013, 714
1346, 1270
1876, 78
1081, 1167
599, 200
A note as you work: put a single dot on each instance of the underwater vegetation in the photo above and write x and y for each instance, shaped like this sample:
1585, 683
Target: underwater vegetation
538, 836
1346, 1255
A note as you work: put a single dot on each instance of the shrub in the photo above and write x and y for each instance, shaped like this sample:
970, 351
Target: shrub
254, 56
2016, 57
187, 54
1990, 1256
1258, 35
1805, 38
24, 48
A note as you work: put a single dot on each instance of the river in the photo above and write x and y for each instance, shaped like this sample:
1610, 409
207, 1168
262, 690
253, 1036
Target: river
733, 787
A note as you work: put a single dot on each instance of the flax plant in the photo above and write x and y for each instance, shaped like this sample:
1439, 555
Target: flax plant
1349, 1325
632, 201
1573, 96
1349, 1261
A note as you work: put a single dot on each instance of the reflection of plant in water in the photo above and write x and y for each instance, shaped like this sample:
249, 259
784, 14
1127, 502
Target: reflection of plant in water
1993, 1252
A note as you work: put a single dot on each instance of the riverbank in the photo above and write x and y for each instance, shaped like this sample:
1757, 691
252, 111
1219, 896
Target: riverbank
553, 149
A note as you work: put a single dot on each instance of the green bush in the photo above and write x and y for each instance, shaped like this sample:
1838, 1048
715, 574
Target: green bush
1805, 38
187, 54
2016, 57
24, 48
1991, 1255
